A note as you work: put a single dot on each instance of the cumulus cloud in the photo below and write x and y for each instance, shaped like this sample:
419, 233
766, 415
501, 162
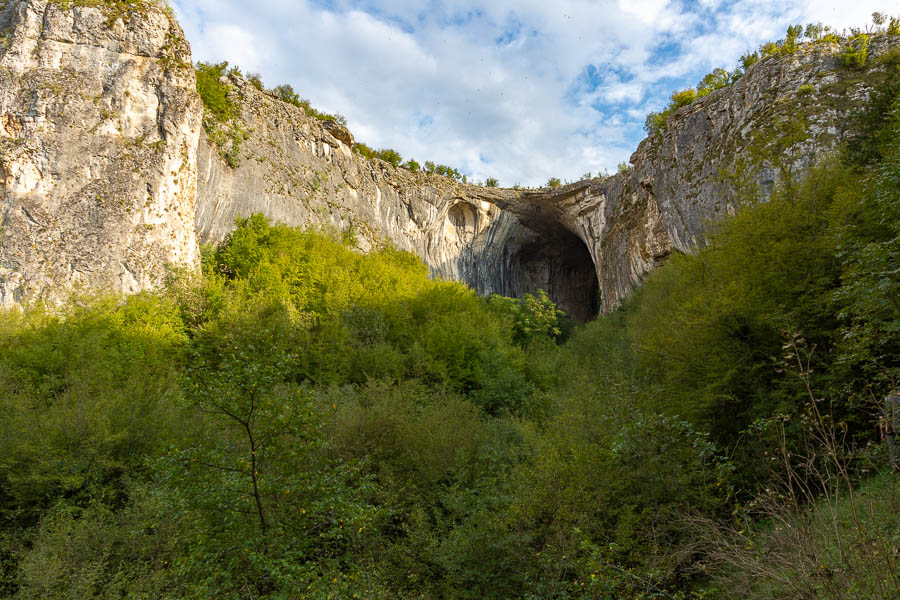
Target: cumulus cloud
521, 90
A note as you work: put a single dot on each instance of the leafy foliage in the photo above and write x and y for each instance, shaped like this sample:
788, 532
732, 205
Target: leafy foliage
534, 316
221, 118
857, 52
303, 420
443, 170
214, 93
115, 9
286, 93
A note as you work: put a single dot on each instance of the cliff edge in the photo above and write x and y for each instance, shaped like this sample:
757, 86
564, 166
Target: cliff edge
108, 179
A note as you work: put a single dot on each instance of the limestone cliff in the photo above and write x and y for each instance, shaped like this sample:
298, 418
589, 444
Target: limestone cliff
588, 244
106, 180
724, 150
99, 125
298, 170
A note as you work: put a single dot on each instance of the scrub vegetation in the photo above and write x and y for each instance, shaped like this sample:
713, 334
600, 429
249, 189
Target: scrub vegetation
301, 420
853, 55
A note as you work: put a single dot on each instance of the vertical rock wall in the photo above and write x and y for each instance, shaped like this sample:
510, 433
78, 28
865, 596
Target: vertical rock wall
106, 181
99, 126
720, 152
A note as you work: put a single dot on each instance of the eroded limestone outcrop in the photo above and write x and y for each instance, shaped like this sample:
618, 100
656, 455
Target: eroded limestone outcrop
301, 171
728, 148
99, 126
587, 244
106, 180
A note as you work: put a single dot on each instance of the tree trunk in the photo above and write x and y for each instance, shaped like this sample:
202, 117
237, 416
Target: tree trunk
892, 425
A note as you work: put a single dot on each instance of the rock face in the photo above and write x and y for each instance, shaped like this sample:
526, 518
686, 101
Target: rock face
725, 150
301, 171
106, 180
587, 244
99, 127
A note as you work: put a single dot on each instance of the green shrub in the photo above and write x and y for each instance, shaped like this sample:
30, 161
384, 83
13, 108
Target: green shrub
683, 98
769, 49
97, 552
813, 31
364, 150
214, 92
893, 27
553, 182
115, 9
318, 274
86, 397
749, 59
789, 45
491, 182
255, 80
715, 80
221, 118
390, 156
286, 93
534, 316
855, 54
655, 124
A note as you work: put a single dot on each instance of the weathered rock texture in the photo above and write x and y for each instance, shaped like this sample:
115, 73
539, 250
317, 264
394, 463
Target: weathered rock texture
301, 171
714, 155
99, 127
101, 163
587, 244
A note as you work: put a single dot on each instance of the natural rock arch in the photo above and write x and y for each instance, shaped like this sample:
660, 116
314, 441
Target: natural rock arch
557, 261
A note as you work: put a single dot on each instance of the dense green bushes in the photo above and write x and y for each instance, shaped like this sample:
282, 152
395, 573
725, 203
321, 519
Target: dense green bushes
302, 420
214, 93
286, 93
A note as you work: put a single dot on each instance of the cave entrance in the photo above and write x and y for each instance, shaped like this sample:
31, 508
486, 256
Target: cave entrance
559, 263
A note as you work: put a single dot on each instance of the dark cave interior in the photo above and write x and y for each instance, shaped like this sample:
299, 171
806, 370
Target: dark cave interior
558, 262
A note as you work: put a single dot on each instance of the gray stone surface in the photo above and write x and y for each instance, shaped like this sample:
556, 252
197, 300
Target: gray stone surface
99, 125
106, 179
768, 126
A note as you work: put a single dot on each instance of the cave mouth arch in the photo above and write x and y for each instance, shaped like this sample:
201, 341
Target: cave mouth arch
558, 262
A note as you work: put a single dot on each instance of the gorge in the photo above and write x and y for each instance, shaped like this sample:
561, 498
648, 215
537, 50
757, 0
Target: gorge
108, 180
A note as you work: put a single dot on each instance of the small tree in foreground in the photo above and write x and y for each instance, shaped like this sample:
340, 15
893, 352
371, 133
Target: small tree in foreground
263, 509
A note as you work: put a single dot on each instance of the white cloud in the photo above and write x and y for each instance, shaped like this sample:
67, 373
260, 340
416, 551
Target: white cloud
488, 86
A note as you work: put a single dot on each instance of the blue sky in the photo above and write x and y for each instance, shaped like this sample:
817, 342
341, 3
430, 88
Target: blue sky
520, 90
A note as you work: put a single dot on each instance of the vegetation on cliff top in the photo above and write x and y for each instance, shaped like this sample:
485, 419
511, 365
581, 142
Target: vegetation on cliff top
117, 9
305, 421
222, 111
226, 130
301, 420
854, 54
